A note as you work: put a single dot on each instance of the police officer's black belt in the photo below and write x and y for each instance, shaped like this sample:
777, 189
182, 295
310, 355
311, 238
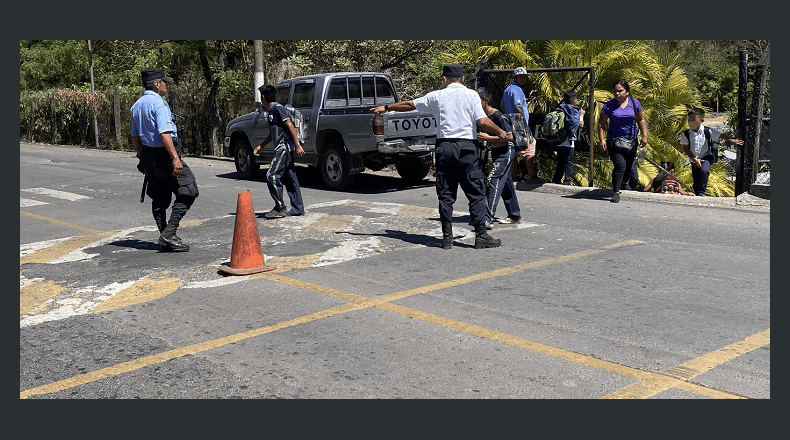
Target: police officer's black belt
453, 140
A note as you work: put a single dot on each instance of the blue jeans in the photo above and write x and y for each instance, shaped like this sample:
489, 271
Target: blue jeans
564, 171
282, 173
701, 174
500, 184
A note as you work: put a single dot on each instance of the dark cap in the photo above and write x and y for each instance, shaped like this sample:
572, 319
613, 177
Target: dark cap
153, 73
453, 70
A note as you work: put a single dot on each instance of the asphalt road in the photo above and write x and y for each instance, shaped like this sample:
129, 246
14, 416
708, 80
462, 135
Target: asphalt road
586, 299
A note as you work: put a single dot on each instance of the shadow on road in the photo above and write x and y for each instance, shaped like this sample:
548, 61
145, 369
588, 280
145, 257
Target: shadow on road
592, 194
366, 183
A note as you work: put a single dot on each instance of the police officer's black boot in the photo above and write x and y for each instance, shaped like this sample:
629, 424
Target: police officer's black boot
169, 238
160, 217
447, 233
483, 240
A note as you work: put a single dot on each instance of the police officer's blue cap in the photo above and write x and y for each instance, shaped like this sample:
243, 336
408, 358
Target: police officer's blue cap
153, 73
453, 70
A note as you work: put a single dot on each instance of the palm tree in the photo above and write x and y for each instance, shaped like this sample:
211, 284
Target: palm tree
657, 80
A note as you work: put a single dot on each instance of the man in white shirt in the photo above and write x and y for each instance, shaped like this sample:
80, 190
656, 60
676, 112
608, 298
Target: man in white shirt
697, 147
458, 110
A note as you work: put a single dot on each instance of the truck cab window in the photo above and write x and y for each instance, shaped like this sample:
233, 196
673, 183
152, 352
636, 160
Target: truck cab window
282, 94
337, 95
384, 94
303, 95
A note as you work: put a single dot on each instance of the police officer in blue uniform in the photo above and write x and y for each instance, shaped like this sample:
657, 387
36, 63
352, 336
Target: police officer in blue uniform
458, 110
155, 138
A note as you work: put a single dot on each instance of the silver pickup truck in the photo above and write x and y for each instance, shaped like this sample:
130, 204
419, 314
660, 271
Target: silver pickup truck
338, 129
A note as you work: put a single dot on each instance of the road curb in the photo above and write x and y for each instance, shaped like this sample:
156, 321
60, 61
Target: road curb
743, 201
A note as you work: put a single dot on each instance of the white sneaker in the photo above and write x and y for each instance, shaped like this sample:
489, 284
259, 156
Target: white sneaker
508, 221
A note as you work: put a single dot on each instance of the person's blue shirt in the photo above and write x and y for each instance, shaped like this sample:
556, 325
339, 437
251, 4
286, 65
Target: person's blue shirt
151, 116
514, 97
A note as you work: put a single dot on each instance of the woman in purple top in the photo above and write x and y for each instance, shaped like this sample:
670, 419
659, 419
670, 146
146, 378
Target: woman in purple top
624, 113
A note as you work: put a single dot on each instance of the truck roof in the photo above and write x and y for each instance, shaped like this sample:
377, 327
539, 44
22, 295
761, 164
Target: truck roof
324, 75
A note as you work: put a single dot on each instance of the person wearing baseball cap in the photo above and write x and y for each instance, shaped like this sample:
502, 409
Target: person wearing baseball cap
155, 138
458, 111
514, 101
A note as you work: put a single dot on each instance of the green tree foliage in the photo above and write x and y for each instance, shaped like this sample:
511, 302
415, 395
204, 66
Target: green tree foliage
413, 64
656, 78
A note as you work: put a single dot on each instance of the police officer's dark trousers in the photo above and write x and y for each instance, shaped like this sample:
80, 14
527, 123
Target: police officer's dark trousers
162, 185
457, 164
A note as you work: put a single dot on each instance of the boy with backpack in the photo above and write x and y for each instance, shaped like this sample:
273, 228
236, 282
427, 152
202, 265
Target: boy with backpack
499, 182
286, 142
699, 143
572, 120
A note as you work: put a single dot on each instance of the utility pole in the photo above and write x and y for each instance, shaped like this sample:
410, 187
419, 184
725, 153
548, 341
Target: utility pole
257, 46
93, 92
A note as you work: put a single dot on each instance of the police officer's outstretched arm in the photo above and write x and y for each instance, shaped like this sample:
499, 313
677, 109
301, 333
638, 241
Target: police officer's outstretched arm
489, 126
403, 106
167, 139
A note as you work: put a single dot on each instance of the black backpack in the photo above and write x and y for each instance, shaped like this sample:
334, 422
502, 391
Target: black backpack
712, 145
521, 132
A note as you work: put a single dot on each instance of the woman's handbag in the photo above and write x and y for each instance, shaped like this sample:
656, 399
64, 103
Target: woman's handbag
622, 145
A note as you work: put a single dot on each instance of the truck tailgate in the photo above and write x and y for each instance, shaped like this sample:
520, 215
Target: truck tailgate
409, 124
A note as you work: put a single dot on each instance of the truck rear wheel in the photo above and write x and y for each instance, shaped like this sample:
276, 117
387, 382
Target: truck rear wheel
411, 169
335, 168
246, 167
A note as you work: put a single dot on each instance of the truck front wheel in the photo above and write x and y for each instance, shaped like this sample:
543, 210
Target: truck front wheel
246, 167
335, 168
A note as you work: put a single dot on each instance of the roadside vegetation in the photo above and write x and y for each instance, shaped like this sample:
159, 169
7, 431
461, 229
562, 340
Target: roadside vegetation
213, 84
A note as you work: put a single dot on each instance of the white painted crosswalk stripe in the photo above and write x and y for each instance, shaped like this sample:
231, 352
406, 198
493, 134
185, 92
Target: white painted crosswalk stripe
352, 227
24, 203
56, 194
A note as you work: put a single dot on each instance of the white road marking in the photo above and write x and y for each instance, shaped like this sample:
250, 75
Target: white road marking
87, 298
29, 248
73, 306
56, 194
349, 250
24, 203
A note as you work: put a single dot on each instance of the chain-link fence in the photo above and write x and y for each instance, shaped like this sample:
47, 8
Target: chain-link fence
66, 117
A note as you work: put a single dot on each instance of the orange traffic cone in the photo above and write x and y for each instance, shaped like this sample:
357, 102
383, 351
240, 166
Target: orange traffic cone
246, 256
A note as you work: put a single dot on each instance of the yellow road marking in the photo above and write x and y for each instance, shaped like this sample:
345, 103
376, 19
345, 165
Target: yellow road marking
503, 271
32, 296
650, 383
357, 302
692, 368
141, 291
416, 211
284, 264
64, 247
60, 222
180, 352
330, 223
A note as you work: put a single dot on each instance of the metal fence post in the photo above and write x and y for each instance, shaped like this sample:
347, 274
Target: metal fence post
743, 73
